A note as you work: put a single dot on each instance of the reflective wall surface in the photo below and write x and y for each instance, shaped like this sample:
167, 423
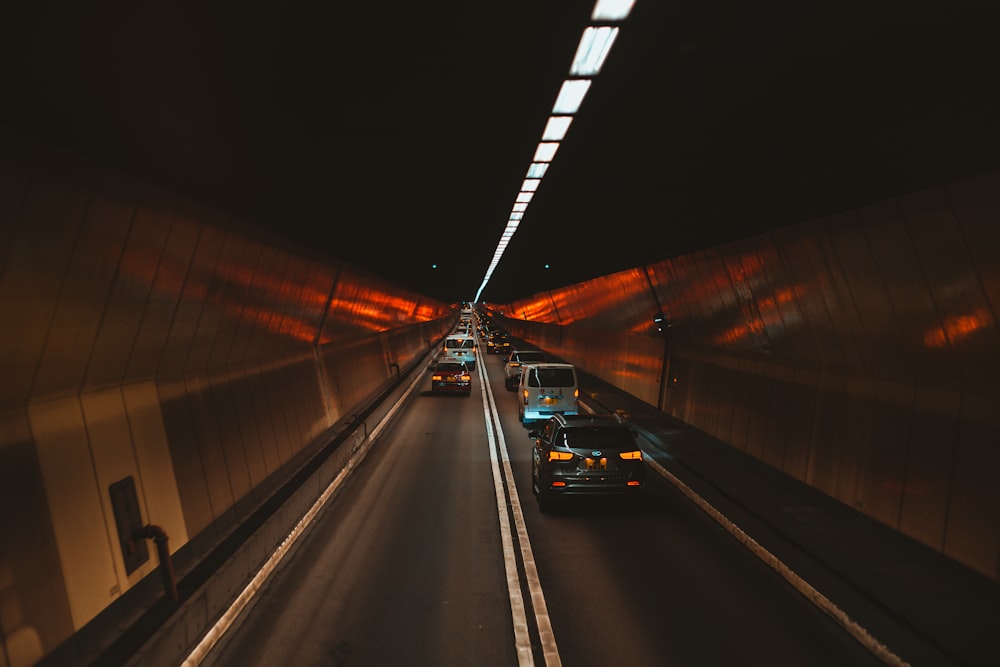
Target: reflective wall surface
147, 338
858, 353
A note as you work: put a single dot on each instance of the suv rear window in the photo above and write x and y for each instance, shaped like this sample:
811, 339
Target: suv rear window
591, 438
466, 343
551, 377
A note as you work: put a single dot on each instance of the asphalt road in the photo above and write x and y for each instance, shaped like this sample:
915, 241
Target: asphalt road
428, 555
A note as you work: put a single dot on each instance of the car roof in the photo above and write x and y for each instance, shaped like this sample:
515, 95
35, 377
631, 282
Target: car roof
590, 420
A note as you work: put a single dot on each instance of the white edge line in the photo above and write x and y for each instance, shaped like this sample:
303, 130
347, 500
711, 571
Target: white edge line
522, 640
797, 582
545, 634
226, 621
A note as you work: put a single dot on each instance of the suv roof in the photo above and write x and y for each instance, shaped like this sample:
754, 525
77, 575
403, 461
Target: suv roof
589, 420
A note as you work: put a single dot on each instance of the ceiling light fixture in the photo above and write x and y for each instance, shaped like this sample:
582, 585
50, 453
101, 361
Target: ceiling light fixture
537, 169
556, 128
571, 96
591, 52
546, 151
593, 49
612, 10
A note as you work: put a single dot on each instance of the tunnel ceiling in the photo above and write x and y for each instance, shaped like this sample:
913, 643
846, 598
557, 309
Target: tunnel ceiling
395, 135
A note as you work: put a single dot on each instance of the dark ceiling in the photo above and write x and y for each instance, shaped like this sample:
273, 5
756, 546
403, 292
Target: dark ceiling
395, 135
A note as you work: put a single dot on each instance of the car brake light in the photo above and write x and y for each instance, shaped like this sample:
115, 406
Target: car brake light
466, 378
436, 378
631, 456
560, 456
558, 483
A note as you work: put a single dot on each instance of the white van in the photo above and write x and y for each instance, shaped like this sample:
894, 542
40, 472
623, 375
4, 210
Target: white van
462, 347
547, 389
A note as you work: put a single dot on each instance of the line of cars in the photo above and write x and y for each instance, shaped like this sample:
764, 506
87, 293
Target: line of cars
451, 372
573, 454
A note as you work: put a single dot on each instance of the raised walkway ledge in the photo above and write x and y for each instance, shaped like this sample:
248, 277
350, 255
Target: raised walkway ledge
908, 603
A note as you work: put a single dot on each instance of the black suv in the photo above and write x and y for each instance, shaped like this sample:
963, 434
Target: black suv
585, 455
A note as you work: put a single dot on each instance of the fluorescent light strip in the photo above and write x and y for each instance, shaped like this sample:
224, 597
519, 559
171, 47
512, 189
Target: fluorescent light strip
571, 96
537, 169
612, 10
546, 151
592, 51
556, 128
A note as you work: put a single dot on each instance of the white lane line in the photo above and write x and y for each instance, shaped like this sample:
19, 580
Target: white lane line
545, 633
216, 632
522, 641
801, 585
870, 642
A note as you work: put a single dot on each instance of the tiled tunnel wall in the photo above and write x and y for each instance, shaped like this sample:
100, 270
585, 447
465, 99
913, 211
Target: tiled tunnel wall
858, 353
147, 337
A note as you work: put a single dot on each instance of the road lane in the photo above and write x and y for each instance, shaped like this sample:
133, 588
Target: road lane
403, 567
409, 565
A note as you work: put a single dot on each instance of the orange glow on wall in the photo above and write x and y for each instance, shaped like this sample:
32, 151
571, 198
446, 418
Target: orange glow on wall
724, 289
277, 302
755, 327
780, 296
956, 328
638, 368
539, 309
582, 301
788, 294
